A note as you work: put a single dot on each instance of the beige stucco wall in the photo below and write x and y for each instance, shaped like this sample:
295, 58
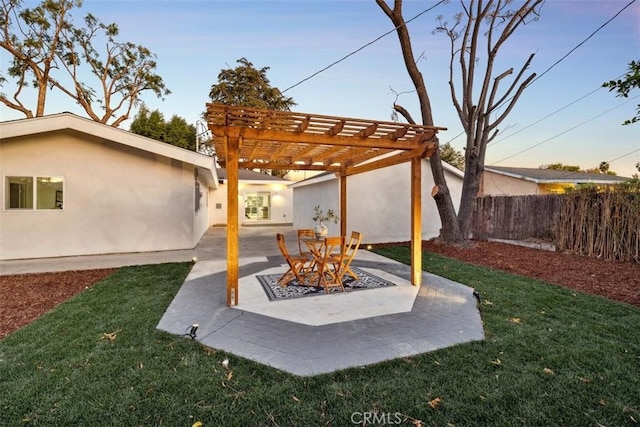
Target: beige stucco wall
378, 203
500, 185
117, 199
281, 203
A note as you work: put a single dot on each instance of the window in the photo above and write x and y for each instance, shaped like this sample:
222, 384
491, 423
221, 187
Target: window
257, 206
26, 192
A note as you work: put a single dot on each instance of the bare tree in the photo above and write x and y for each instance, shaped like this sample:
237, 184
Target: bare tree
50, 52
476, 37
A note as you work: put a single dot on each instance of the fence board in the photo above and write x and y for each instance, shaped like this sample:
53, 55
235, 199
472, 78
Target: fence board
516, 217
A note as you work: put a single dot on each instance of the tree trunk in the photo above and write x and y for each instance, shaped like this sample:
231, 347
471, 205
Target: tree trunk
450, 231
470, 186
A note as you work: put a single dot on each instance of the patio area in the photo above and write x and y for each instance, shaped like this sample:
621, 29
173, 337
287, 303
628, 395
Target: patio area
323, 333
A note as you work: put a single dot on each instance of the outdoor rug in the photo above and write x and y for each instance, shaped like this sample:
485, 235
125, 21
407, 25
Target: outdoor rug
275, 292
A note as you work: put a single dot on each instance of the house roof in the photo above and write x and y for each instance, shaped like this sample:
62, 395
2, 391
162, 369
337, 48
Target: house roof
249, 175
71, 122
549, 176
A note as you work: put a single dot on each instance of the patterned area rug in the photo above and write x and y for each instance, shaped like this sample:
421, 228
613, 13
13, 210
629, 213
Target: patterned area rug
275, 292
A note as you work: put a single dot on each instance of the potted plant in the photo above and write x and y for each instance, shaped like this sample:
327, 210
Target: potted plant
320, 217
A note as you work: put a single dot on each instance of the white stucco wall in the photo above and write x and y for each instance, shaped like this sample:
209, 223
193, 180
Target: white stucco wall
201, 217
117, 199
378, 203
325, 194
500, 185
281, 203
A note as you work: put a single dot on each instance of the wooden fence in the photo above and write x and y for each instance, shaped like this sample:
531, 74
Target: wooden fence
516, 217
592, 222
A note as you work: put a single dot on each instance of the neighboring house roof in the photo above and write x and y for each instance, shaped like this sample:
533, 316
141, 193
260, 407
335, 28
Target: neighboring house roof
548, 176
327, 176
68, 121
251, 176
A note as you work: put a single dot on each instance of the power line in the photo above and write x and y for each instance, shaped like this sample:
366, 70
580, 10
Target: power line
563, 132
566, 55
364, 46
455, 137
541, 119
583, 41
624, 155
550, 114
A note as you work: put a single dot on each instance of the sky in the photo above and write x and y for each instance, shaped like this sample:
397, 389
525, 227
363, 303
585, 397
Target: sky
564, 116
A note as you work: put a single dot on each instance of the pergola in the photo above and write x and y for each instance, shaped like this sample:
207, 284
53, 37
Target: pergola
249, 138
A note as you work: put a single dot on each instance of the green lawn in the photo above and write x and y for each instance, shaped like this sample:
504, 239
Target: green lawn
551, 357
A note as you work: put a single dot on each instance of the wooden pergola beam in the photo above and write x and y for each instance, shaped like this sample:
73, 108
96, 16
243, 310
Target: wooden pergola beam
402, 157
322, 139
368, 131
304, 124
398, 133
289, 166
336, 129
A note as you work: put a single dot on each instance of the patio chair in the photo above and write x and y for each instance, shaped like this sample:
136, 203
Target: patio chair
298, 265
303, 233
331, 263
350, 253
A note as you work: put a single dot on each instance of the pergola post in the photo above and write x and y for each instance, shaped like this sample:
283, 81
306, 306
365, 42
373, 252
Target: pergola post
343, 205
416, 221
233, 146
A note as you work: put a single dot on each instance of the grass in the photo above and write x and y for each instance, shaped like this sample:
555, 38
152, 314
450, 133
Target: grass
551, 357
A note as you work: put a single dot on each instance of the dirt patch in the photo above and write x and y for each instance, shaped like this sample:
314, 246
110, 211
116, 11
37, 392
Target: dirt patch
619, 281
26, 297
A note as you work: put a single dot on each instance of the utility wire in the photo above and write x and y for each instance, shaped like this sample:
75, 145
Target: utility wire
623, 156
364, 46
541, 119
562, 133
583, 41
551, 114
567, 54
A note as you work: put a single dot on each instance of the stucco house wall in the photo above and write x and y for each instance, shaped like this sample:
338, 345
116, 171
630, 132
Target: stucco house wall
500, 185
281, 203
118, 198
378, 202
281, 199
323, 191
515, 181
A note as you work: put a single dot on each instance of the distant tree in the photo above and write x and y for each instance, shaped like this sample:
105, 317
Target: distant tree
603, 167
452, 156
175, 132
623, 86
249, 87
561, 167
148, 123
50, 52
180, 133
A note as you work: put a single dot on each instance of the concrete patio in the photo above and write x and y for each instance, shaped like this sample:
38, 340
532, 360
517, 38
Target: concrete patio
303, 336
320, 334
